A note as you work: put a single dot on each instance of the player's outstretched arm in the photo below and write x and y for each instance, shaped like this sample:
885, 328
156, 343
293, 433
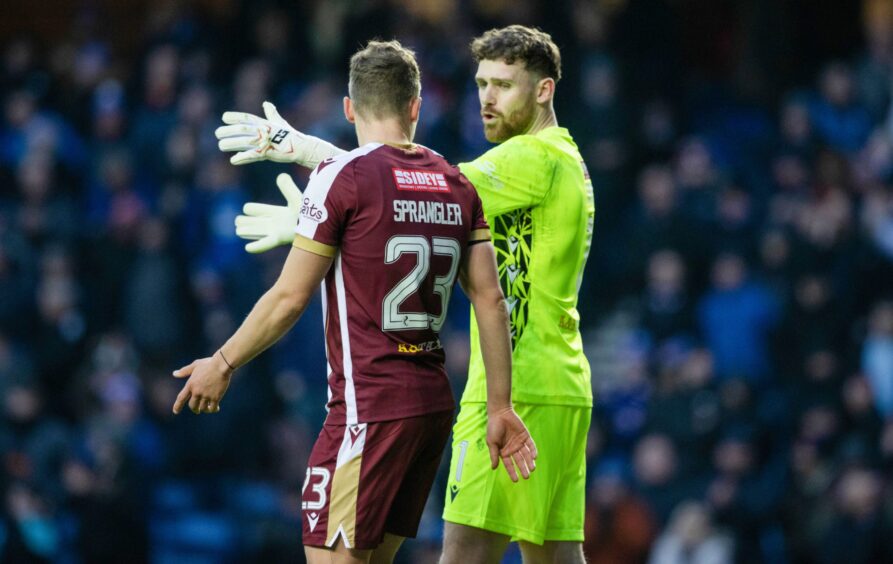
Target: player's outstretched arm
273, 314
268, 226
507, 436
270, 138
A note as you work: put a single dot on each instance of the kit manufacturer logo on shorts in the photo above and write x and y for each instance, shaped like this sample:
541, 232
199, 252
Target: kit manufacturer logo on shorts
313, 519
420, 180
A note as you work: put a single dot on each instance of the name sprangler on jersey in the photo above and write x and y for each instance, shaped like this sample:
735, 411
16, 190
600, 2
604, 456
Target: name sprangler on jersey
424, 211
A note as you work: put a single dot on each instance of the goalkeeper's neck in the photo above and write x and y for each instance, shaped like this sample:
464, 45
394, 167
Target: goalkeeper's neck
543, 118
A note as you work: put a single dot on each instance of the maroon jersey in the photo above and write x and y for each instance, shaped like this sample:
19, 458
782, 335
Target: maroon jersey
398, 223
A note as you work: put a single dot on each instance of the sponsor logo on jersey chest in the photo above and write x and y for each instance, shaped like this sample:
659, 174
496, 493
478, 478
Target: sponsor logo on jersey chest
420, 180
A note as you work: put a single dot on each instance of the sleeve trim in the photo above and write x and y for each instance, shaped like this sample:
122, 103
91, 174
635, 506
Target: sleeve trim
314, 247
478, 235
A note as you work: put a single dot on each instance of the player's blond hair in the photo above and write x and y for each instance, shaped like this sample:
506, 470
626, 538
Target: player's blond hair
384, 78
520, 43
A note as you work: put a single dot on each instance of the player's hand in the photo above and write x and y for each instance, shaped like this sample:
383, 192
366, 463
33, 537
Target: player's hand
509, 439
269, 226
208, 380
270, 138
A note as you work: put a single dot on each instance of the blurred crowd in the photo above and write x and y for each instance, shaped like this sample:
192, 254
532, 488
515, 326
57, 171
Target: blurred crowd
737, 306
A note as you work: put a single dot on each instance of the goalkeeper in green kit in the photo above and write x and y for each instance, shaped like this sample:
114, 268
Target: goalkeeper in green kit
537, 197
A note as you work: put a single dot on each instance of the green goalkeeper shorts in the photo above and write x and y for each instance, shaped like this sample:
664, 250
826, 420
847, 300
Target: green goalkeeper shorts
550, 505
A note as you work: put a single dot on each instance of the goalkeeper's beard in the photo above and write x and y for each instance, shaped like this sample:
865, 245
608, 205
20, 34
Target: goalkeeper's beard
518, 122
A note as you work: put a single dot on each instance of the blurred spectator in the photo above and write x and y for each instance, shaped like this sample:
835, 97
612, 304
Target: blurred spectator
657, 475
667, 304
862, 424
839, 119
734, 225
853, 530
30, 533
873, 71
698, 180
43, 216
877, 357
655, 223
796, 140
61, 325
741, 348
623, 404
687, 408
813, 321
619, 525
775, 268
16, 282
153, 296
32, 439
691, 538
745, 493
877, 218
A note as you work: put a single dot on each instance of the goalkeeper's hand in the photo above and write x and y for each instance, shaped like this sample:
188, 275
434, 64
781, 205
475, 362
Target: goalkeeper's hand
509, 439
269, 226
271, 139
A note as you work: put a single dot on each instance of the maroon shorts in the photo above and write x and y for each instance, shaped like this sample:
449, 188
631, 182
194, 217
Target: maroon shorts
370, 479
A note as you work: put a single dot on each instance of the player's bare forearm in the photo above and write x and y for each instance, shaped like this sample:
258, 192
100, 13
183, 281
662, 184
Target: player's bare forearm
273, 315
507, 437
270, 318
279, 308
480, 282
492, 319
208, 378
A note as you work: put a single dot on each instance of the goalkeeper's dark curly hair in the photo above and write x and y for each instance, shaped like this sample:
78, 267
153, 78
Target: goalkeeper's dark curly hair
520, 43
384, 77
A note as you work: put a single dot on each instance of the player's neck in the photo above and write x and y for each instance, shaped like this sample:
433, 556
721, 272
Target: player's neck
543, 119
389, 132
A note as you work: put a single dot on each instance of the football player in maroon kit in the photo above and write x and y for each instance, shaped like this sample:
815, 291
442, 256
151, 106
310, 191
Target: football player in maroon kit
387, 229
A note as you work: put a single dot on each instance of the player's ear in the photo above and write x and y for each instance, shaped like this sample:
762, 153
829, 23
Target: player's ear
349, 111
545, 90
415, 107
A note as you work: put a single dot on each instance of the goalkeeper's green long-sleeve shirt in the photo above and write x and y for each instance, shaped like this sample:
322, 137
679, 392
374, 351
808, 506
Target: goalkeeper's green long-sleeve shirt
537, 198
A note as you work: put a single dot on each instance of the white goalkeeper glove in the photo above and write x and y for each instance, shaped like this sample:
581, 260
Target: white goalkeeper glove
269, 226
272, 139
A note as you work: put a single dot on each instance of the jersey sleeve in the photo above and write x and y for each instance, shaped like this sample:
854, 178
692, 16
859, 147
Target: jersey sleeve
514, 175
480, 231
329, 200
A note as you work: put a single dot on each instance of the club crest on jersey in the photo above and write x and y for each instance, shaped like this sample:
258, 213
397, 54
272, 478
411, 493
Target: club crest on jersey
313, 212
420, 180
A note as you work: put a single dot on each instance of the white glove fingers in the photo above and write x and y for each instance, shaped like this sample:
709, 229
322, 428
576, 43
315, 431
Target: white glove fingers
246, 157
237, 130
251, 233
254, 223
289, 190
237, 144
273, 115
249, 236
232, 118
261, 210
262, 245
